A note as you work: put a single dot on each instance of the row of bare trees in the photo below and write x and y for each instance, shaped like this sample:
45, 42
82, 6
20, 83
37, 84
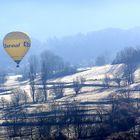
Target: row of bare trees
41, 69
73, 120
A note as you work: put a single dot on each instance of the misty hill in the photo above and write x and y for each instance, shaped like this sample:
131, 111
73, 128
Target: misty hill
82, 48
85, 48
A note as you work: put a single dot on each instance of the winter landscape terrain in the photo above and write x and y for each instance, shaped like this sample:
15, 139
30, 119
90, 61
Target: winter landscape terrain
74, 72
98, 86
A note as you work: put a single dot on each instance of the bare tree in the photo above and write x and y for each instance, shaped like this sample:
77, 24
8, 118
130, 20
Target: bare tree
25, 97
106, 81
44, 74
32, 75
123, 113
19, 97
78, 84
39, 96
118, 80
45, 71
48, 65
58, 90
128, 73
52, 66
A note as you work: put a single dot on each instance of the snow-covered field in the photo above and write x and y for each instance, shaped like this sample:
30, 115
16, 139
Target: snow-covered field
90, 96
95, 73
92, 75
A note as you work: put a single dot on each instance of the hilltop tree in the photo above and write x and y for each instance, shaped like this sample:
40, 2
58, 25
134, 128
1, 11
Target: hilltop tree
130, 57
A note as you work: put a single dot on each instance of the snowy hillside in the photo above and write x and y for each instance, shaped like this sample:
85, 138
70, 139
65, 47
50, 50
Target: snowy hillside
94, 75
92, 92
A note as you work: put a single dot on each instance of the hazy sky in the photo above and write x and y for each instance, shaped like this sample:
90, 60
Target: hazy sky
43, 19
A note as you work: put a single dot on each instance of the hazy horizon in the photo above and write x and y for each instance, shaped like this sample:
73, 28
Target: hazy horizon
47, 19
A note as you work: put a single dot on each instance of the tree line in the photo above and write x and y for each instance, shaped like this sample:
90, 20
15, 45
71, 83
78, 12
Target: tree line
72, 119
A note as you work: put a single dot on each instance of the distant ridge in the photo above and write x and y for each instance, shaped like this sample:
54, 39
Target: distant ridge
83, 48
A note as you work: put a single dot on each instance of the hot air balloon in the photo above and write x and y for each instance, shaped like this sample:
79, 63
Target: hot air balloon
16, 44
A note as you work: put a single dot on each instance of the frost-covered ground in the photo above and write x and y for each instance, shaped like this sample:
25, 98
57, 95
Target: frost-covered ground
90, 96
94, 75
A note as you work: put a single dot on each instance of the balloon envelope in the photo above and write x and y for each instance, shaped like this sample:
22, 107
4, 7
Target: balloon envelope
16, 44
